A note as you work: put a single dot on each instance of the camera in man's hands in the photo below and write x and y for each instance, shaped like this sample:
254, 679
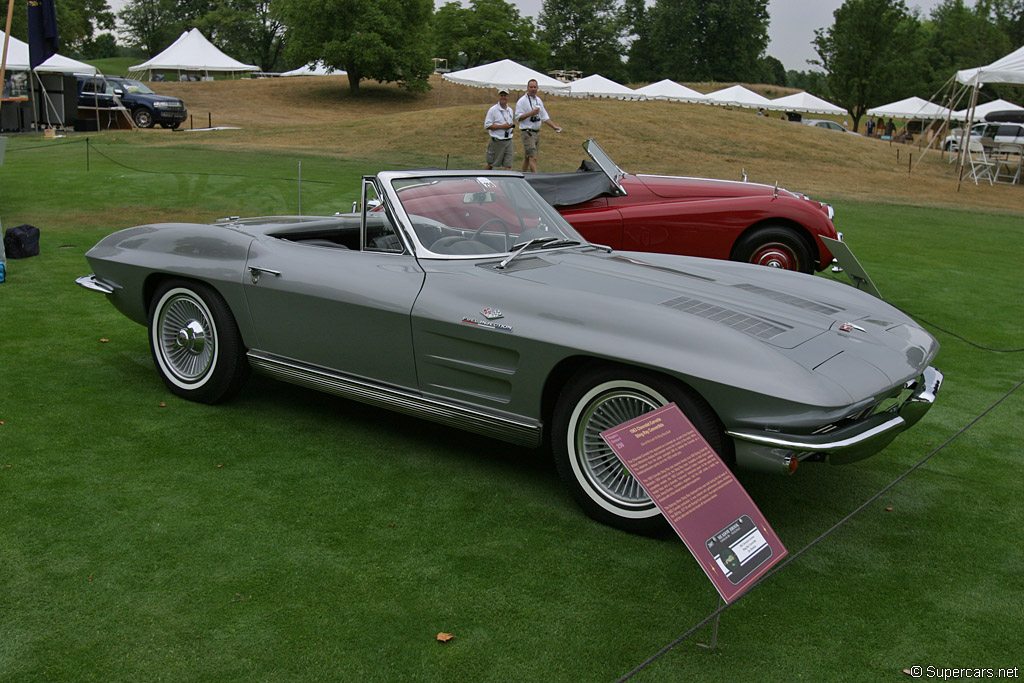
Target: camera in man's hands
535, 119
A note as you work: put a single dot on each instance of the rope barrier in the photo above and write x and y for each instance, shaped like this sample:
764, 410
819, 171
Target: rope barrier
209, 175
114, 161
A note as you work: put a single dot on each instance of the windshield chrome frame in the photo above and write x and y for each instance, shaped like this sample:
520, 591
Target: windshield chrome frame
605, 163
385, 185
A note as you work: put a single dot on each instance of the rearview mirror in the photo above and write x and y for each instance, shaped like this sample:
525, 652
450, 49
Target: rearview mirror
477, 197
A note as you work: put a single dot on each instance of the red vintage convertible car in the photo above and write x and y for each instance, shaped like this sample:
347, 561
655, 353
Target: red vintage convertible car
720, 219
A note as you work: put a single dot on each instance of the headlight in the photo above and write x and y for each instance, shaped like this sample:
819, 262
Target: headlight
166, 105
829, 210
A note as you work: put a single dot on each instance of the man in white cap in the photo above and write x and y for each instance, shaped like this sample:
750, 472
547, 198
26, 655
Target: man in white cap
500, 122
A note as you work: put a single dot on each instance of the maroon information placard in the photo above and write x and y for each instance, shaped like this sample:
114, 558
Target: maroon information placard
699, 496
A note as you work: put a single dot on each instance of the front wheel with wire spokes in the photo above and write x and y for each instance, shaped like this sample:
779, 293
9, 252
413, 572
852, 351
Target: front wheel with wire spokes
596, 400
195, 342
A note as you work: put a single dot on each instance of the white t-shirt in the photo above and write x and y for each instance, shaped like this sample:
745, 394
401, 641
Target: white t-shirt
498, 115
526, 104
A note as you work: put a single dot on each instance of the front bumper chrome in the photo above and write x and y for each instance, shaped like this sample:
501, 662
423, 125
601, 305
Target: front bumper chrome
96, 284
772, 451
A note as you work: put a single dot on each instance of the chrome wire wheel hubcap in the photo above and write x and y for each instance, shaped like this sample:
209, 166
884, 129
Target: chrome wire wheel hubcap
187, 339
598, 461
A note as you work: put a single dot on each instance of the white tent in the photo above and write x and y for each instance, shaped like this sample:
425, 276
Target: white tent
599, 86
18, 60
983, 109
1008, 69
315, 69
806, 103
911, 108
738, 96
193, 52
505, 74
672, 91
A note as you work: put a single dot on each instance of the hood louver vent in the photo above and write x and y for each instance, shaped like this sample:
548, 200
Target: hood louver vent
781, 297
755, 327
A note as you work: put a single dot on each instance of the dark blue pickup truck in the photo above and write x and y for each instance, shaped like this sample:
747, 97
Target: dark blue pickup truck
146, 107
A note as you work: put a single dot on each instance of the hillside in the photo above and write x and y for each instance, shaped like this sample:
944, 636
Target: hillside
389, 126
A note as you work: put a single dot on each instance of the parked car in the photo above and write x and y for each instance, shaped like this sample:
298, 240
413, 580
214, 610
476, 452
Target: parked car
720, 219
991, 134
827, 125
147, 108
464, 298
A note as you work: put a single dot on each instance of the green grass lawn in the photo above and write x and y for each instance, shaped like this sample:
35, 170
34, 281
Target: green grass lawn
289, 535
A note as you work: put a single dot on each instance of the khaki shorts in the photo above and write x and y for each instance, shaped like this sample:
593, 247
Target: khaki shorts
531, 139
500, 153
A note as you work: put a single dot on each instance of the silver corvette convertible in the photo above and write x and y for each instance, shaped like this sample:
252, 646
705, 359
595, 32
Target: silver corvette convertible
462, 297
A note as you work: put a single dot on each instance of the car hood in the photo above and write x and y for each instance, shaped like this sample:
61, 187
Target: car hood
673, 187
151, 99
822, 325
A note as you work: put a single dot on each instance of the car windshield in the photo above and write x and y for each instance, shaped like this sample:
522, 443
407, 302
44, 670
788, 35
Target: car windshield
134, 86
481, 215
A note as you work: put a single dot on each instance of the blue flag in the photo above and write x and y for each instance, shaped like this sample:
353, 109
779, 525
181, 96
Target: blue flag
42, 31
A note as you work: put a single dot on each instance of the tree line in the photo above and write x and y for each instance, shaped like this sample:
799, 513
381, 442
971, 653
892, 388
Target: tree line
875, 51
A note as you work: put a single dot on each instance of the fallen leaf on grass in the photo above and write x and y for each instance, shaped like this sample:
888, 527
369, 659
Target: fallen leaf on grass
889, 509
220, 465
103, 341
162, 404
444, 637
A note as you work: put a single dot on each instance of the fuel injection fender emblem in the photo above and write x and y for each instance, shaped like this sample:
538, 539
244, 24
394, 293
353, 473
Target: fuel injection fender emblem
850, 327
490, 314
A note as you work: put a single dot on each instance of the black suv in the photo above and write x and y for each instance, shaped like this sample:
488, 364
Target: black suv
146, 107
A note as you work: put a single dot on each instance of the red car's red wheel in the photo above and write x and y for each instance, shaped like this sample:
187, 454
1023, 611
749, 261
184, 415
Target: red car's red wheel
774, 247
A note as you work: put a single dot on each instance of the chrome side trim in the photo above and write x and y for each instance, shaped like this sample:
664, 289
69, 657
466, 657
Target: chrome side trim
94, 283
521, 432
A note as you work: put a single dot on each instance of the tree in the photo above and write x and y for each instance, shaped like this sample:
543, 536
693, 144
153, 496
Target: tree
486, 31
584, 35
77, 22
814, 82
1009, 17
959, 37
151, 25
386, 40
101, 47
871, 53
636, 27
705, 40
246, 29
772, 71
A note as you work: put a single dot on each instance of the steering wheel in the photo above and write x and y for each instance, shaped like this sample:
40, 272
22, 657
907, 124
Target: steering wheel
480, 230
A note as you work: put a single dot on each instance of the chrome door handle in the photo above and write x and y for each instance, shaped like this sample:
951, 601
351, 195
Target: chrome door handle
255, 271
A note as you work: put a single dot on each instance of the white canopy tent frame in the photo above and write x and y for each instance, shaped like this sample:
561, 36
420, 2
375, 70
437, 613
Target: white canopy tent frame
506, 74
1008, 70
192, 51
668, 89
597, 85
16, 58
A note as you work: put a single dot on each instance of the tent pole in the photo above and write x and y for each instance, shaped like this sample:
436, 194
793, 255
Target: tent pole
966, 136
7, 40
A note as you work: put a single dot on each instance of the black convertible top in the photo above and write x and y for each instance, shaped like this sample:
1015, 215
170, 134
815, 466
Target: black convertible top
566, 189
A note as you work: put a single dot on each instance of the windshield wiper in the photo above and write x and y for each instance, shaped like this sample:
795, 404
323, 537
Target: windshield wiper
518, 249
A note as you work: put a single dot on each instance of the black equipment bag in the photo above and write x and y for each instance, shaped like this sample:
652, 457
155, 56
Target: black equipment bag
21, 241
